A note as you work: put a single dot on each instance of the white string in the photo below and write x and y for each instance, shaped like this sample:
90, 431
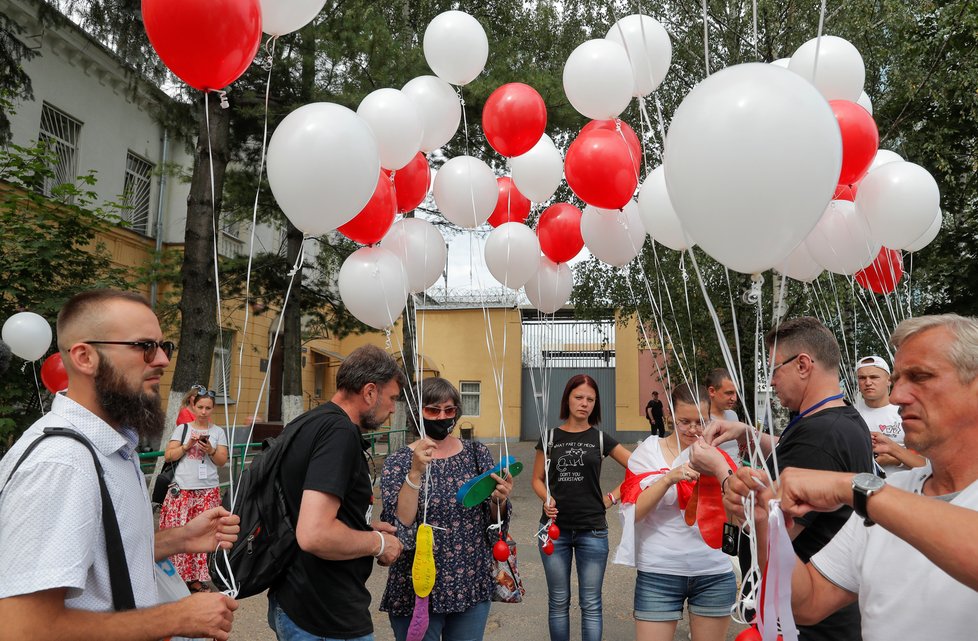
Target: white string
818, 40
706, 40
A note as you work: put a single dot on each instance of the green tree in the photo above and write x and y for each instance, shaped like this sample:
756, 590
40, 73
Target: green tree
49, 249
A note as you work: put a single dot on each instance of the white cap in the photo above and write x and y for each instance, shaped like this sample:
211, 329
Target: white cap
872, 361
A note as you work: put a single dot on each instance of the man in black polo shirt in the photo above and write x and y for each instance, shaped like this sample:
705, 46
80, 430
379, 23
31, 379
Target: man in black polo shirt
825, 434
654, 412
326, 480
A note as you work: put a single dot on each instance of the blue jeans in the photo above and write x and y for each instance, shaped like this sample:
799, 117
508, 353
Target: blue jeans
591, 548
469, 625
285, 628
660, 597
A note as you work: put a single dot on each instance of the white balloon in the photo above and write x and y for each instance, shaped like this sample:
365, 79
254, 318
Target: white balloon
421, 248
800, 265
456, 47
27, 334
928, 236
439, 107
512, 254
841, 71
613, 236
396, 124
900, 200
752, 158
841, 241
466, 191
279, 17
323, 164
550, 288
373, 286
865, 102
538, 172
884, 157
648, 47
782, 62
658, 215
598, 79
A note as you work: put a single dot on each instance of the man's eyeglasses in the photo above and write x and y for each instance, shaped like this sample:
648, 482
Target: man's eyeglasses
783, 363
433, 411
149, 347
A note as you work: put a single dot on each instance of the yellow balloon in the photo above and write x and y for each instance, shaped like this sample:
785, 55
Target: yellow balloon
423, 570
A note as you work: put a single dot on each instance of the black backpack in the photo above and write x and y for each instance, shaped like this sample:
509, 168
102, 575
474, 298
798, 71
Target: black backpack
266, 544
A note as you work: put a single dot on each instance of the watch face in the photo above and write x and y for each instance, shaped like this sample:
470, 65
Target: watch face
868, 482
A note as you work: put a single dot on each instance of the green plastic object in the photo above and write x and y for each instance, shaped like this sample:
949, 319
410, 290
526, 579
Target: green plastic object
477, 489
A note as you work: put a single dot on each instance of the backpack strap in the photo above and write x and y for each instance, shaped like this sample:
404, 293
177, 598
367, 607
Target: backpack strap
120, 582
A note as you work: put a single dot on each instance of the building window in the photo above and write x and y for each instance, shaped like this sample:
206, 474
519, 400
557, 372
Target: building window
135, 196
60, 132
471, 393
222, 364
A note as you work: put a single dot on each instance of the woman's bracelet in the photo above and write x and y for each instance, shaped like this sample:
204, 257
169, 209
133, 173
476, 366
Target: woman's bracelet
410, 483
383, 544
611, 497
723, 483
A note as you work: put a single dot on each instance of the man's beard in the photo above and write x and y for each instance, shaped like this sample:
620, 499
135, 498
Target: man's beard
134, 409
370, 421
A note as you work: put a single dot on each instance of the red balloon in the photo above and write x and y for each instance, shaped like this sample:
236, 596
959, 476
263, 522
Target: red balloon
511, 205
599, 169
411, 183
884, 273
500, 551
207, 44
634, 146
53, 373
514, 118
377, 216
749, 634
559, 231
548, 547
860, 140
846, 192
553, 532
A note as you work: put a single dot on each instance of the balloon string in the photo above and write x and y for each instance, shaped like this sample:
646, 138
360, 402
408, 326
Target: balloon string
37, 386
754, 10
706, 40
818, 40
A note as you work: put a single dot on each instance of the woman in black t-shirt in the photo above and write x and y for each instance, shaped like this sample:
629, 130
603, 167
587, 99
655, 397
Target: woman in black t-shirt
570, 488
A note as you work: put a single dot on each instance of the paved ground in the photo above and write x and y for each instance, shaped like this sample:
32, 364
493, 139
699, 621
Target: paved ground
523, 622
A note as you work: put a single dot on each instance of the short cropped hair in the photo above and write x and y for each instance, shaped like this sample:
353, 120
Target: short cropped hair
368, 364
439, 390
576, 381
716, 377
81, 304
808, 334
690, 394
962, 351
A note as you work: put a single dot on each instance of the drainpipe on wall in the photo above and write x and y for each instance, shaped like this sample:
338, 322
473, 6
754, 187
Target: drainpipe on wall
159, 215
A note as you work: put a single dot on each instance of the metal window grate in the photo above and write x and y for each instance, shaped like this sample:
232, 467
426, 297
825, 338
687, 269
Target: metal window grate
567, 342
222, 360
136, 192
471, 392
60, 131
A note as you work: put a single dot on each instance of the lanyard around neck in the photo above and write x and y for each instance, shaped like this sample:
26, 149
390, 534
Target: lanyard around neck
808, 411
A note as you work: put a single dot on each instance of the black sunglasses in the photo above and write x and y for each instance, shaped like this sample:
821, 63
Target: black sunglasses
207, 392
149, 347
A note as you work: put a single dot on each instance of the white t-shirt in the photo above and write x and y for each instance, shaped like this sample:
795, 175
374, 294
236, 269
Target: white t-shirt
902, 595
662, 541
884, 419
196, 470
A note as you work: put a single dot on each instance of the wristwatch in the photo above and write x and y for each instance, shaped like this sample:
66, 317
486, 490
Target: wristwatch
863, 486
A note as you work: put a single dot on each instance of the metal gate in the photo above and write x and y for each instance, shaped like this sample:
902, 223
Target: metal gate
554, 350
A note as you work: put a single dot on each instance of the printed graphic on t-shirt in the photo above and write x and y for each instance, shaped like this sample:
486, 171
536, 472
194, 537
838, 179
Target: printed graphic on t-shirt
570, 462
893, 430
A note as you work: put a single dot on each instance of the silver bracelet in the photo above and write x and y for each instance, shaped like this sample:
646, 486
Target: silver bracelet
407, 479
383, 544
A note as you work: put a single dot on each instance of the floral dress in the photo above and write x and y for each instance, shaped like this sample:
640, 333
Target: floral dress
463, 557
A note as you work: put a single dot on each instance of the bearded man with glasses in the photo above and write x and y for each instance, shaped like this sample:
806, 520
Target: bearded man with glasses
59, 577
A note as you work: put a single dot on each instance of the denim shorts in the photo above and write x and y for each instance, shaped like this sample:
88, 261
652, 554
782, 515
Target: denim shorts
660, 597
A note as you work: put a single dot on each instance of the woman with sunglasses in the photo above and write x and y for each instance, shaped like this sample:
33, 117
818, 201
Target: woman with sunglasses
575, 451
675, 565
418, 484
201, 448
186, 414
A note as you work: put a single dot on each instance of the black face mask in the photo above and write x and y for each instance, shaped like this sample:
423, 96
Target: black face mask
438, 429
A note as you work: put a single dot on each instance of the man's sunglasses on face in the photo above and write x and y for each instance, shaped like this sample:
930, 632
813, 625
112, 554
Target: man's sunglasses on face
149, 347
